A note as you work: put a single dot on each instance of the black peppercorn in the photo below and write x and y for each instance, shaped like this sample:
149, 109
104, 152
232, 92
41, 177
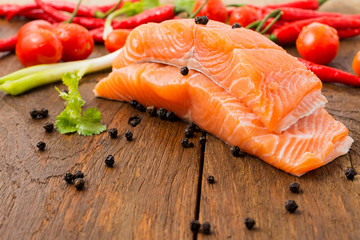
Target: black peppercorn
236, 25
34, 113
185, 143
195, 225
206, 228
48, 126
44, 112
189, 133
294, 187
41, 145
113, 132
65, 90
68, 177
202, 140
203, 20
236, 152
151, 111
350, 173
193, 127
291, 206
128, 135
184, 71
79, 183
162, 113
250, 223
78, 174
170, 116
133, 103
141, 107
134, 121
211, 179
109, 161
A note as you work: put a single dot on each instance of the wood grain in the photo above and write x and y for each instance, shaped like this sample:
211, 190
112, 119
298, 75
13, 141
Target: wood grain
329, 204
150, 193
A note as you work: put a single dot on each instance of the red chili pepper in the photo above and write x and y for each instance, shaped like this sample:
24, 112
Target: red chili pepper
348, 33
288, 33
295, 14
21, 9
97, 34
156, 15
8, 44
6, 8
302, 4
36, 14
329, 74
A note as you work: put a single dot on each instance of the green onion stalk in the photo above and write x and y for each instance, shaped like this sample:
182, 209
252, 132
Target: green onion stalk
35, 76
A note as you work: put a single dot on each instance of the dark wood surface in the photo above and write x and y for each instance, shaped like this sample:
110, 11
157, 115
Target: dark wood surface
153, 190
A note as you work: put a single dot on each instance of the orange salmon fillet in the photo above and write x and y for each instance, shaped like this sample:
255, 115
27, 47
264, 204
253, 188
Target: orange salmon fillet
310, 143
274, 85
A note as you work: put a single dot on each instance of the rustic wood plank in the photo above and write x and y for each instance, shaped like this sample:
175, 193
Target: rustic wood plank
150, 193
329, 206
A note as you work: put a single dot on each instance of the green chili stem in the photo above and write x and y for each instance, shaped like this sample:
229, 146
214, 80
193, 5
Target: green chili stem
270, 15
107, 26
253, 24
74, 13
321, 2
99, 14
272, 22
198, 10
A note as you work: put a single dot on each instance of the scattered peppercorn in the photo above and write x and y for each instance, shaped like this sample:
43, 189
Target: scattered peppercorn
48, 126
109, 161
134, 121
133, 103
206, 228
184, 71
250, 223
44, 112
193, 127
78, 174
65, 90
141, 107
79, 183
170, 116
236, 152
195, 225
291, 206
128, 135
350, 173
41, 145
203, 20
162, 113
113, 132
294, 187
34, 113
189, 133
68, 177
236, 25
211, 179
151, 110
202, 140
185, 143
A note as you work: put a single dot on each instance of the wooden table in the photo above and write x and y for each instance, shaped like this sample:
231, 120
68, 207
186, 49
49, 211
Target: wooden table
156, 186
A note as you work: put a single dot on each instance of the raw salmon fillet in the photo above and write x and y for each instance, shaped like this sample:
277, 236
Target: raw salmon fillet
274, 85
308, 144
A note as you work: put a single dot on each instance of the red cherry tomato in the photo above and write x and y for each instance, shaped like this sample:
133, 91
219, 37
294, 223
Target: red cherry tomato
318, 43
76, 41
116, 39
38, 44
213, 9
244, 15
356, 64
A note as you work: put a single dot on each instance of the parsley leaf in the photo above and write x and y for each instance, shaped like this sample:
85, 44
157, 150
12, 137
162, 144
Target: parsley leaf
70, 120
184, 5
